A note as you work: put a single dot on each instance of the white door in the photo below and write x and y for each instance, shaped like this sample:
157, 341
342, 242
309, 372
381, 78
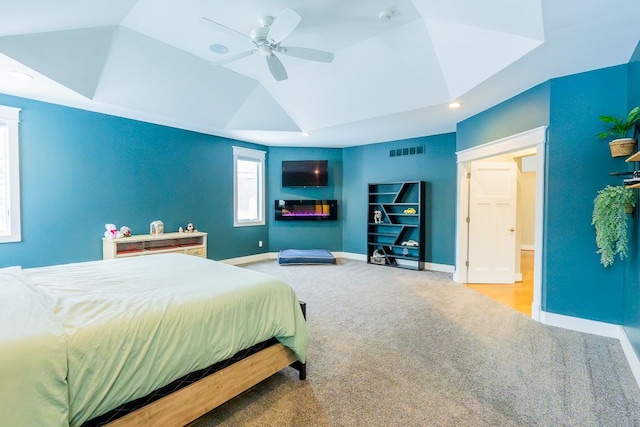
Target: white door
492, 223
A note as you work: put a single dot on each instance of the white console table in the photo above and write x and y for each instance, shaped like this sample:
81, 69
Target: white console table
145, 244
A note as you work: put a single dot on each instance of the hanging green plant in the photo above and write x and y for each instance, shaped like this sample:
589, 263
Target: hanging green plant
610, 209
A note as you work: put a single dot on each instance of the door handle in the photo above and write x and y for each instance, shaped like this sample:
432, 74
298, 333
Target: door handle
511, 229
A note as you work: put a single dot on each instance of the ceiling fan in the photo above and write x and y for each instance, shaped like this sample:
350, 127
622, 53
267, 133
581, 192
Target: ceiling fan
266, 40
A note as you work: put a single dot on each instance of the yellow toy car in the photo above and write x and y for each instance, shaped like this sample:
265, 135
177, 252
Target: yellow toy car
410, 211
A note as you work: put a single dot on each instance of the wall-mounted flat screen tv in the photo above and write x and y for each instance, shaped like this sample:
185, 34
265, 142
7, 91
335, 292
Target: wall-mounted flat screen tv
305, 173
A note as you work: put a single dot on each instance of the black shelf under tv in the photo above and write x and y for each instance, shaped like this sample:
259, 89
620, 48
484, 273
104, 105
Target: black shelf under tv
395, 237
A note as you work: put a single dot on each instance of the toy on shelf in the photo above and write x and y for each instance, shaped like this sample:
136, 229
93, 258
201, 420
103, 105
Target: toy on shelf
112, 232
190, 228
156, 228
377, 216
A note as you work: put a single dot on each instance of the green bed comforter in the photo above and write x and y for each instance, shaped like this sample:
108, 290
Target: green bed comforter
33, 356
133, 325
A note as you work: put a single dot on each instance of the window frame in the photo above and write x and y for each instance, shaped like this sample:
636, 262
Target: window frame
10, 116
258, 156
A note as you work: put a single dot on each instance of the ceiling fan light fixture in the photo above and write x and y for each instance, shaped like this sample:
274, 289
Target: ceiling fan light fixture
266, 40
265, 50
219, 49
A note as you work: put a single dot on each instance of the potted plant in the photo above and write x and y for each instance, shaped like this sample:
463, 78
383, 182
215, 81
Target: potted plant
619, 128
610, 209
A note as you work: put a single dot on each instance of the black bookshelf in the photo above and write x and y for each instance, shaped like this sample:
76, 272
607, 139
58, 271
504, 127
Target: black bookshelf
395, 230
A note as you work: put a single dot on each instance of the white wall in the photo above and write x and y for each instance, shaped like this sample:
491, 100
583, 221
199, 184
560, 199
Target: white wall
527, 201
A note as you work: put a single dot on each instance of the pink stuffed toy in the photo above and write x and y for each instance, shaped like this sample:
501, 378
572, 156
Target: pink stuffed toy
112, 232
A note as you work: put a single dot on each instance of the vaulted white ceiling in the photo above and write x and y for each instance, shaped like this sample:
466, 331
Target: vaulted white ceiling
390, 78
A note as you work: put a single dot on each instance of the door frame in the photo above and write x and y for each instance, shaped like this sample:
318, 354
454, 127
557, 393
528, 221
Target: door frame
534, 138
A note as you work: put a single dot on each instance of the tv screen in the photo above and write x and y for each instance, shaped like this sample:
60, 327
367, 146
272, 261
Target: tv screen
305, 173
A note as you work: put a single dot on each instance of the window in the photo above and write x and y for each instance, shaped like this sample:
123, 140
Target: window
9, 176
248, 187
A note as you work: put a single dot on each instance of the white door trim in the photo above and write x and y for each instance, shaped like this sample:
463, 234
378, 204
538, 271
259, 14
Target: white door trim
534, 138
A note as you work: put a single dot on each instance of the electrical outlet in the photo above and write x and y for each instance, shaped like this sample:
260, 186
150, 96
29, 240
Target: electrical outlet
259, 243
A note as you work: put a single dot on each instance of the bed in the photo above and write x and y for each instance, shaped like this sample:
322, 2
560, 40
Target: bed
78, 340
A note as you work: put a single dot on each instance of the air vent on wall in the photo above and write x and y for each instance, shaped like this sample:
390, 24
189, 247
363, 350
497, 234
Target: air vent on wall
409, 151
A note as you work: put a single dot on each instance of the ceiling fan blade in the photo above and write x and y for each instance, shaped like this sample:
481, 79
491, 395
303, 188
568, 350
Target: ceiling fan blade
234, 57
276, 68
283, 25
306, 53
222, 28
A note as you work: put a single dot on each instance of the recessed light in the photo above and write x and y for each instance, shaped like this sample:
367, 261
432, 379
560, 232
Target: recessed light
220, 49
305, 133
21, 76
455, 104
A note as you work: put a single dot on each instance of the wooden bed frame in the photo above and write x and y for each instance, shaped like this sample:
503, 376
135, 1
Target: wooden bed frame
194, 400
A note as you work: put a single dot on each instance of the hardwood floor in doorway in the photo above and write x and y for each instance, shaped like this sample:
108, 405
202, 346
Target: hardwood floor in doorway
518, 296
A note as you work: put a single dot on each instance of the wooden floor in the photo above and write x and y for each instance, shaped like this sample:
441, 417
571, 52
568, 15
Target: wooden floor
518, 296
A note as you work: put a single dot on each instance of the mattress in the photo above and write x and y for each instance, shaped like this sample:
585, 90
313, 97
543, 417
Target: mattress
305, 256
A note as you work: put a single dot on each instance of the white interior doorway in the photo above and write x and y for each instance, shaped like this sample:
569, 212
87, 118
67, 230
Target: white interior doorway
535, 140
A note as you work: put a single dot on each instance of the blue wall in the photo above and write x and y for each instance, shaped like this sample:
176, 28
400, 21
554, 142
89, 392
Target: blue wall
305, 234
81, 170
578, 165
372, 163
526, 111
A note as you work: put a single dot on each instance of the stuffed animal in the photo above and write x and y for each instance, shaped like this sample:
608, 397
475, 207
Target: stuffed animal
112, 232
125, 231
190, 228
377, 216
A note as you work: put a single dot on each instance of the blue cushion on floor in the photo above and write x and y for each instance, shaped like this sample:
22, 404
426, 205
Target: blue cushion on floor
305, 256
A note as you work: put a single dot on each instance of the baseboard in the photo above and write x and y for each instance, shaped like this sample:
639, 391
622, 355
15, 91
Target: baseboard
250, 258
597, 328
347, 255
630, 354
581, 325
456, 276
350, 255
444, 268
536, 311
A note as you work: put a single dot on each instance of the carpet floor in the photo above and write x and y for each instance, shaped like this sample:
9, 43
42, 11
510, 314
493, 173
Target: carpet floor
394, 347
